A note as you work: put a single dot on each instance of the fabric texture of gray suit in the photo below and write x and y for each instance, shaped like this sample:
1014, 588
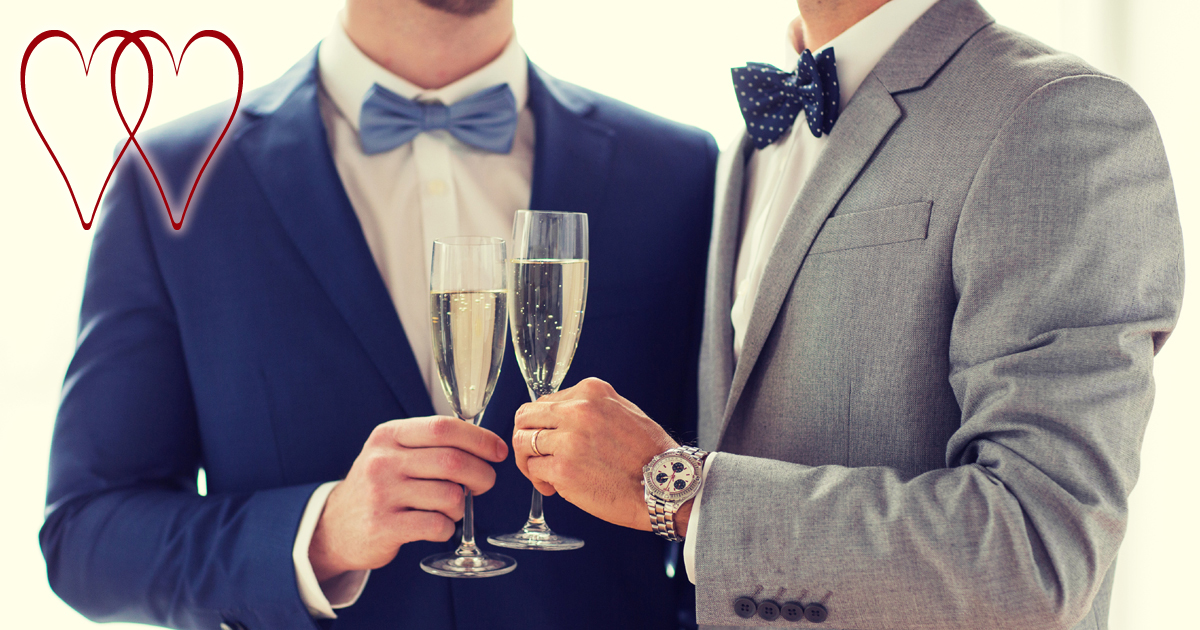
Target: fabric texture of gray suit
936, 418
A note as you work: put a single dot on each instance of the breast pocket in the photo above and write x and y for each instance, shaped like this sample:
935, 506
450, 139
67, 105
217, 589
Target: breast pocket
897, 224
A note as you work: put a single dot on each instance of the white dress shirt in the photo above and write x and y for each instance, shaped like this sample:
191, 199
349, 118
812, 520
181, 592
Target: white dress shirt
776, 174
430, 188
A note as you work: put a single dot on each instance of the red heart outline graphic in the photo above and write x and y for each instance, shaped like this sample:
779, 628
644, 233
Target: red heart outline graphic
237, 57
136, 39
128, 38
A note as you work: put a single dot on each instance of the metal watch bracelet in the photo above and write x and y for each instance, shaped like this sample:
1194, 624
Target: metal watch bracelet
662, 514
662, 521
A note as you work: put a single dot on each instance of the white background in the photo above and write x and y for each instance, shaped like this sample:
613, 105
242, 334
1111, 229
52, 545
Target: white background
668, 56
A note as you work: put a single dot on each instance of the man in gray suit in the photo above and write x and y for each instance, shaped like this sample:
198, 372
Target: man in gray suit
928, 344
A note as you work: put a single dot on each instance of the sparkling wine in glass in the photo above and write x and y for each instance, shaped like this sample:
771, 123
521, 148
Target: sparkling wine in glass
468, 307
548, 274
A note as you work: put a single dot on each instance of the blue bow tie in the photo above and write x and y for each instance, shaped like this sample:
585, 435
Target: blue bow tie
771, 98
487, 119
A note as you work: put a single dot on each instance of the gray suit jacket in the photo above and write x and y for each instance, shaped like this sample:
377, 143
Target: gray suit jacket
936, 417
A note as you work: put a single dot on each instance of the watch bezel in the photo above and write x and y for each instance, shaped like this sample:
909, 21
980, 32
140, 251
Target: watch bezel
672, 496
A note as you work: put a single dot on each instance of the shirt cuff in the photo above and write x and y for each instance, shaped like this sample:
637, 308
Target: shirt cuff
689, 538
339, 591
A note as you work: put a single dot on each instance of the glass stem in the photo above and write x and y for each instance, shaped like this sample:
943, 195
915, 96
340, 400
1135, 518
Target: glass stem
535, 509
467, 547
537, 522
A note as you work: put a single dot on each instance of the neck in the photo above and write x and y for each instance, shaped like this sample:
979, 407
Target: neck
822, 20
427, 47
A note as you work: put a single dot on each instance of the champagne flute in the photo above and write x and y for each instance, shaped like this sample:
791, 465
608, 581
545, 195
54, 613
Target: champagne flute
468, 304
548, 275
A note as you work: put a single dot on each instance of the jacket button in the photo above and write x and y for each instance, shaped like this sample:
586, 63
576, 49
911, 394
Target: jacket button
768, 610
792, 611
816, 613
745, 607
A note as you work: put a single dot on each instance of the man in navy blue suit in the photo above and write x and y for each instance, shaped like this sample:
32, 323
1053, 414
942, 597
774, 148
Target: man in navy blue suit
280, 342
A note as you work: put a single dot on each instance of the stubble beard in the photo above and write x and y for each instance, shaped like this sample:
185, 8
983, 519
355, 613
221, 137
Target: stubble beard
464, 8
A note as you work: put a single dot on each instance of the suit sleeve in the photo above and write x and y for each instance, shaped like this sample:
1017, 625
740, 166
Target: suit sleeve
1068, 269
126, 536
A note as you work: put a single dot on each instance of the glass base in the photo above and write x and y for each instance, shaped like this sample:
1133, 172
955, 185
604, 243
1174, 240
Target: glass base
536, 540
483, 565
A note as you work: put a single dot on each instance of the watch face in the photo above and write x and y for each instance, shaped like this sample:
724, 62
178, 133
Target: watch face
672, 476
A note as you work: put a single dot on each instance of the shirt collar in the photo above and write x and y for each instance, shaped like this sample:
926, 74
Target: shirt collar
859, 48
346, 74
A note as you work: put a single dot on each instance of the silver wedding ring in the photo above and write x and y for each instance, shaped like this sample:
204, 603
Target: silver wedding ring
533, 443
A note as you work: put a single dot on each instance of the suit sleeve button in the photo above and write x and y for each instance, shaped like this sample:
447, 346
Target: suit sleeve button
792, 611
816, 613
745, 607
768, 610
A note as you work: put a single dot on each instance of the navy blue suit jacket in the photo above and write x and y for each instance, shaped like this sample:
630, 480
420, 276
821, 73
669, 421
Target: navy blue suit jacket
260, 343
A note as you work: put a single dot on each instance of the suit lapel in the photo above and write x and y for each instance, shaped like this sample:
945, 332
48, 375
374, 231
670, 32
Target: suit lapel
867, 119
288, 153
571, 151
859, 130
716, 349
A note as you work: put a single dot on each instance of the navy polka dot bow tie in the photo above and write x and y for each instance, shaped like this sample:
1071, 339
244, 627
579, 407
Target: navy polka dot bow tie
771, 98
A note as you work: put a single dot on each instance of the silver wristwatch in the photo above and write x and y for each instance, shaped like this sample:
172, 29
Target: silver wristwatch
671, 479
